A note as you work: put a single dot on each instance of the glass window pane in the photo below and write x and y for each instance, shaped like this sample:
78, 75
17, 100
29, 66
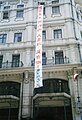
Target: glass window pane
5, 15
19, 14
58, 34
55, 10
55, 1
6, 7
20, 6
1, 60
17, 37
15, 60
59, 58
3, 38
43, 35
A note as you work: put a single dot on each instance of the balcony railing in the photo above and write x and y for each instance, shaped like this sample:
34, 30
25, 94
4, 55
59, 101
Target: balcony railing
11, 64
53, 86
47, 61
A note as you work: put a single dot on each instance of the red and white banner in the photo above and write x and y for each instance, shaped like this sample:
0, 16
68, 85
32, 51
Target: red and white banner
38, 51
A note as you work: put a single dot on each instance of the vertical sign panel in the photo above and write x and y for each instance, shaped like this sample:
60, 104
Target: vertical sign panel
38, 51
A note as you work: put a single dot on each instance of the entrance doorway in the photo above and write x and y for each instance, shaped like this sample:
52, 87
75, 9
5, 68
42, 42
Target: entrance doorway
9, 114
53, 113
52, 101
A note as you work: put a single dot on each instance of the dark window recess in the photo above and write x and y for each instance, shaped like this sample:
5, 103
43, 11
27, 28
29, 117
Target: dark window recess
1, 60
19, 13
59, 58
58, 34
15, 60
5, 15
43, 58
3, 38
17, 37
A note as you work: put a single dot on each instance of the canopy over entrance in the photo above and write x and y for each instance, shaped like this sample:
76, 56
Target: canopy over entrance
51, 99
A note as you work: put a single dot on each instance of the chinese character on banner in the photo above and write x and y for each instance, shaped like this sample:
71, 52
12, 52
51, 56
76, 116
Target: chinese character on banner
38, 52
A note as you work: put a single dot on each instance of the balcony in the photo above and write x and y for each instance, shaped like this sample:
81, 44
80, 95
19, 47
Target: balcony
11, 64
9, 88
52, 61
53, 86
54, 93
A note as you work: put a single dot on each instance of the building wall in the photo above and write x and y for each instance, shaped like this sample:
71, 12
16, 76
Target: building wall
70, 43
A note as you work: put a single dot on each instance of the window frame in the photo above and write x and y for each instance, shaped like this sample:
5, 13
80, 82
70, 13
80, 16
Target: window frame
81, 34
3, 38
59, 57
15, 60
1, 60
43, 35
57, 34
55, 2
55, 10
20, 11
17, 37
5, 15
6, 11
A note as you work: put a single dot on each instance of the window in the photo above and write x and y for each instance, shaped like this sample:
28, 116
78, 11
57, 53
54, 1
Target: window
55, 10
6, 12
20, 11
1, 60
1, 4
77, 15
58, 34
20, 6
6, 7
5, 15
17, 37
44, 11
43, 35
3, 38
15, 60
81, 34
81, 18
43, 58
55, 1
19, 14
59, 58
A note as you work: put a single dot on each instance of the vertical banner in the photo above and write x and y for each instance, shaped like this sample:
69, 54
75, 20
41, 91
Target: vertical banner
38, 51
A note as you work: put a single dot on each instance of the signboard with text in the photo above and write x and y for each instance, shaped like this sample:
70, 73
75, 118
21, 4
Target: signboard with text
38, 51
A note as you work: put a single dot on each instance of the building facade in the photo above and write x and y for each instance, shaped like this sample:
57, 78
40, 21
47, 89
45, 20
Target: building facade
60, 97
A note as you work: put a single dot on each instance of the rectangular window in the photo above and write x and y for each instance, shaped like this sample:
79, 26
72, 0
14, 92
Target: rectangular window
15, 60
3, 38
43, 58
58, 34
77, 15
81, 34
55, 10
44, 11
20, 11
17, 37
43, 35
19, 14
59, 58
6, 12
55, 1
1, 60
81, 18
5, 15
6, 7
20, 6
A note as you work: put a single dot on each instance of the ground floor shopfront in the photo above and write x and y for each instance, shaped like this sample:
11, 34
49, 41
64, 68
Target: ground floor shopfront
56, 100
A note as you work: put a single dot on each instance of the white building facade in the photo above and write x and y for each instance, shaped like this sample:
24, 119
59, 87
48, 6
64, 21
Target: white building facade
60, 97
